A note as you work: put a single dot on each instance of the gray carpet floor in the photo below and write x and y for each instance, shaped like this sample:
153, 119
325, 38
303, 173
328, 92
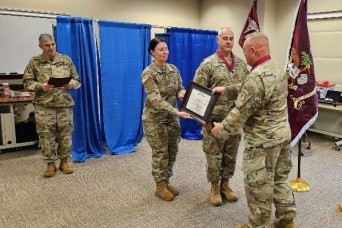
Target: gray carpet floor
118, 191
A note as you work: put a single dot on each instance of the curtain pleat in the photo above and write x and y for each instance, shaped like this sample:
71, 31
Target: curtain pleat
188, 47
123, 56
75, 38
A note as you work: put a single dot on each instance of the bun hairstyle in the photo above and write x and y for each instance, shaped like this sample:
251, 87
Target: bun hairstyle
153, 43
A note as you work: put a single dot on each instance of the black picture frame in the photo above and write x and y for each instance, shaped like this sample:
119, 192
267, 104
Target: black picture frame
199, 102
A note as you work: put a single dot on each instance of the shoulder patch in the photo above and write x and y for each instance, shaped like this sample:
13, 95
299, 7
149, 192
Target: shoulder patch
144, 78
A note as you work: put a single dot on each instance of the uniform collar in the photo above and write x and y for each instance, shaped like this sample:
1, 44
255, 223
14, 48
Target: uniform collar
260, 61
44, 59
160, 69
230, 66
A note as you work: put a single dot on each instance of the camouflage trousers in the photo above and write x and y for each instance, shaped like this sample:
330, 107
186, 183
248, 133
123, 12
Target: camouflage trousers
266, 181
221, 156
163, 138
54, 127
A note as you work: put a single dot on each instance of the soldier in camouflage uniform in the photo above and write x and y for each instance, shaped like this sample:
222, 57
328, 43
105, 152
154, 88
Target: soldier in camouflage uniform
222, 68
163, 85
261, 109
53, 105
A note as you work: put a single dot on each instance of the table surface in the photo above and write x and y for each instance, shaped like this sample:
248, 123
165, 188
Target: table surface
336, 106
8, 99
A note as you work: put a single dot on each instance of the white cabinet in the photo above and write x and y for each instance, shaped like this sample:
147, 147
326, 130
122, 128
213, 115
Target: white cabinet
329, 122
8, 114
7, 134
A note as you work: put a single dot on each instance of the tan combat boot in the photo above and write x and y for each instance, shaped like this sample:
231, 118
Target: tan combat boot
65, 167
280, 223
228, 192
172, 189
215, 196
163, 192
51, 170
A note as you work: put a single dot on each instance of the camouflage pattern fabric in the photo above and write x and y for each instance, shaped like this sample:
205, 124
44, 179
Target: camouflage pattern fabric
261, 108
221, 164
54, 126
161, 125
263, 92
221, 154
39, 70
163, 138
266, 173
212, 72
53, 109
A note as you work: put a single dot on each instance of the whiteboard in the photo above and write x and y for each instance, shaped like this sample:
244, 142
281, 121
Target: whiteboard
19, 40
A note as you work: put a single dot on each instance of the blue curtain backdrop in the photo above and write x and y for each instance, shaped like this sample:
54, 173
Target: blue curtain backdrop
188, 47
75, 38
123, 56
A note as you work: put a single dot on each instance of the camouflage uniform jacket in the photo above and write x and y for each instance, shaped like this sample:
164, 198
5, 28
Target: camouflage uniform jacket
163, 85
212, 73
261, 108
40, 69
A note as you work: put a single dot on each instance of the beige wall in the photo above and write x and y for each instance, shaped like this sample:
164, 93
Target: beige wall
284, 22
269, 12
276, 17
163, 13
179, 13
327, 57
277, 20
219, 13
325, 37
318, 6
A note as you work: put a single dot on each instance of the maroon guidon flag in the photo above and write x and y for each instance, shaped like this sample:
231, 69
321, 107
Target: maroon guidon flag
302, 97
251, 25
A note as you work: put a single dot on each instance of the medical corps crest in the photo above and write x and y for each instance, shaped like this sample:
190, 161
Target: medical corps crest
251, 24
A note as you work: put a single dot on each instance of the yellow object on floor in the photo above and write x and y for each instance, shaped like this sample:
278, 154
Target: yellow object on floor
340, 206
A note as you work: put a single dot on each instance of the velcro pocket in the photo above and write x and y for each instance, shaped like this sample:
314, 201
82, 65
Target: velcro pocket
255, 171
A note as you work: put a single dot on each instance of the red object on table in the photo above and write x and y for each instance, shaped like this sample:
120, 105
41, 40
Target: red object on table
326, 84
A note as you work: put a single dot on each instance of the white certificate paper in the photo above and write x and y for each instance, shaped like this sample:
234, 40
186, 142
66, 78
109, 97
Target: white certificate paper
198, 102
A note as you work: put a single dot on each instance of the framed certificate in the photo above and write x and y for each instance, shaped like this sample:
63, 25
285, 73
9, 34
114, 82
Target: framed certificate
199, 102
59, 82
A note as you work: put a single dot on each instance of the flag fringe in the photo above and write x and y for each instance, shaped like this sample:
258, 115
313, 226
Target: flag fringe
303, 130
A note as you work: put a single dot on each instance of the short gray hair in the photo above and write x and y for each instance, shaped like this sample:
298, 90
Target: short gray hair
259, 39
45, 37
223, 28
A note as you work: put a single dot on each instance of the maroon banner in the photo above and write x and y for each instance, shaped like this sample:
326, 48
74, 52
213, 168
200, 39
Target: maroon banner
251, 24
302, 97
